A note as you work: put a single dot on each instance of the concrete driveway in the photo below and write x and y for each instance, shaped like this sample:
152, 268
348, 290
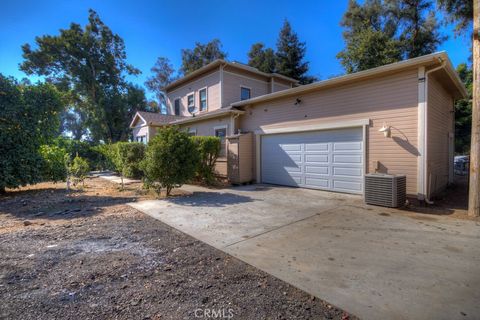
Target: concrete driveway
374, 262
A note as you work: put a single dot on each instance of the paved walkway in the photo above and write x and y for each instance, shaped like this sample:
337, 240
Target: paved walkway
113, 177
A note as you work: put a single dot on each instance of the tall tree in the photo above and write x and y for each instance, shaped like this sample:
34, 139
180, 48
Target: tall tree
163, 75
290, 54
379, 32
92, 61
201, 55
459, 12
419, 33
261, 58
463, 112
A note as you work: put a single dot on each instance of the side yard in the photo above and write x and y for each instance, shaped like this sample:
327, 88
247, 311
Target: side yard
88, 255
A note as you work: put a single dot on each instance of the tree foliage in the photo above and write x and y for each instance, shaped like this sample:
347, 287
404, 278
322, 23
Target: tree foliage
208, 148
29, 117
378, 32
90, 62
459, 12
463, 112
171, 160
162, 75
290, 54
53, 163
262, 58
78, 169
201, 55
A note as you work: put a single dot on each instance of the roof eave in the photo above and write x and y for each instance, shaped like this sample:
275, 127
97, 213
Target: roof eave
207, 116
134, 118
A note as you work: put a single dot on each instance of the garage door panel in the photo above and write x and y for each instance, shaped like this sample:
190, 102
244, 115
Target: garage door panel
349, 172
317, 182
316, 158
348, 146
323, 147
327, 160
347, 158
317, 170
347, 186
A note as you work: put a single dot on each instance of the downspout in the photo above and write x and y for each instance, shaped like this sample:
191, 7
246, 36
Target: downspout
427, 176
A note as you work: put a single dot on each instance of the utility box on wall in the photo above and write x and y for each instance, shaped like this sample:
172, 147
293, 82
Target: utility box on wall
239, 158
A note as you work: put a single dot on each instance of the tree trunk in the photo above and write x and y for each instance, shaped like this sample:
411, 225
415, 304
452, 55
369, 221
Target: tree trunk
474, 190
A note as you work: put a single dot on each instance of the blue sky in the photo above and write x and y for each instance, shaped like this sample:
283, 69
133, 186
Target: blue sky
162, 28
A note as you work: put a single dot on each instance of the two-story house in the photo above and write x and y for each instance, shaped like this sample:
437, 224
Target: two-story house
397, 119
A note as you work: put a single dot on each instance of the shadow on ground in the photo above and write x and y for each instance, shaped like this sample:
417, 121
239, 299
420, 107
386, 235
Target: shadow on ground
210, 199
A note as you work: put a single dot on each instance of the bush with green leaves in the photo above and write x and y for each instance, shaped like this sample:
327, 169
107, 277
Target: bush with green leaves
78, 169
85, 149
29, 117
128, 157
53, 165
208, 148
171, 160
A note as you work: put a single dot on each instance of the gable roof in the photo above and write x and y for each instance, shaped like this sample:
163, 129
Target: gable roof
438, 58
217, 63
153, 118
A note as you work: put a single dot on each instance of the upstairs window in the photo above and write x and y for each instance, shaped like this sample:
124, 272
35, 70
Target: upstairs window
203, 99
244, 93
177, 107
191, 102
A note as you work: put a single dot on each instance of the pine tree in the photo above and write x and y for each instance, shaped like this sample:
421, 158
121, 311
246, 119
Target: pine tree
290, 54
261, 58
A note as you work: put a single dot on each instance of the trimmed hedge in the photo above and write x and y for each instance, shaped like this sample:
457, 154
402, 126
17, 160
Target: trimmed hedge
208, 148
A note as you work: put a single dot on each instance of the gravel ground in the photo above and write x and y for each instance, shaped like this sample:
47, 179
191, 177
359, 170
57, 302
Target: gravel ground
86, 255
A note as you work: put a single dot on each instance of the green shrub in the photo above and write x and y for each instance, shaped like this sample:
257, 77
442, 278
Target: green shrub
106, 156
128, 157
53, 165
208, 148
29, 117
171, 160
87, 150
78, 169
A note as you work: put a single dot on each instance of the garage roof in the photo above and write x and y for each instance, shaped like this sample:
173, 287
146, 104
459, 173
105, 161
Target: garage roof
427, 60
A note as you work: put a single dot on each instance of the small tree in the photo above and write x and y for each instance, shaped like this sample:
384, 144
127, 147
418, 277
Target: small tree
208, 150
127, 158
170, 160
79, 169
53, 165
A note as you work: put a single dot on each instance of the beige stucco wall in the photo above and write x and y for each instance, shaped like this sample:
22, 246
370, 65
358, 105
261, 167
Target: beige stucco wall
391, 99
440, 125
210, 80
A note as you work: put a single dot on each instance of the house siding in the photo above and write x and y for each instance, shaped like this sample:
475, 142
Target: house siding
440, 124
210, 80
233, 81
392, 99
141, 130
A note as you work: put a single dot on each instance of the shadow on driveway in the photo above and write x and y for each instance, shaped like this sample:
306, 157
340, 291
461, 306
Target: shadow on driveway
210, 199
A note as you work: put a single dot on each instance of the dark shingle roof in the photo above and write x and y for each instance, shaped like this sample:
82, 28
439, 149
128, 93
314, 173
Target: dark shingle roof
157, 118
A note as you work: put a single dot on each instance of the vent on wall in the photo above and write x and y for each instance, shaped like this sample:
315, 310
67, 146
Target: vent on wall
385, 190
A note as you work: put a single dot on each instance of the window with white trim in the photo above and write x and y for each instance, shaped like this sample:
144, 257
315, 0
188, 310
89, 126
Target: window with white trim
245, 93
203, 99
191, 101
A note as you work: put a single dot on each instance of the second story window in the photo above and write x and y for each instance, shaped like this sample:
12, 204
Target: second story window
191, 102
203, 99
177, 107
244, 93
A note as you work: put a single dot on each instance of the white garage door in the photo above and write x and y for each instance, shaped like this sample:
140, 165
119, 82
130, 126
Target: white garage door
327, 159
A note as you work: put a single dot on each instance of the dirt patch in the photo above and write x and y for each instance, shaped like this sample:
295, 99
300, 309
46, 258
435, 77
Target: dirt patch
86, 255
